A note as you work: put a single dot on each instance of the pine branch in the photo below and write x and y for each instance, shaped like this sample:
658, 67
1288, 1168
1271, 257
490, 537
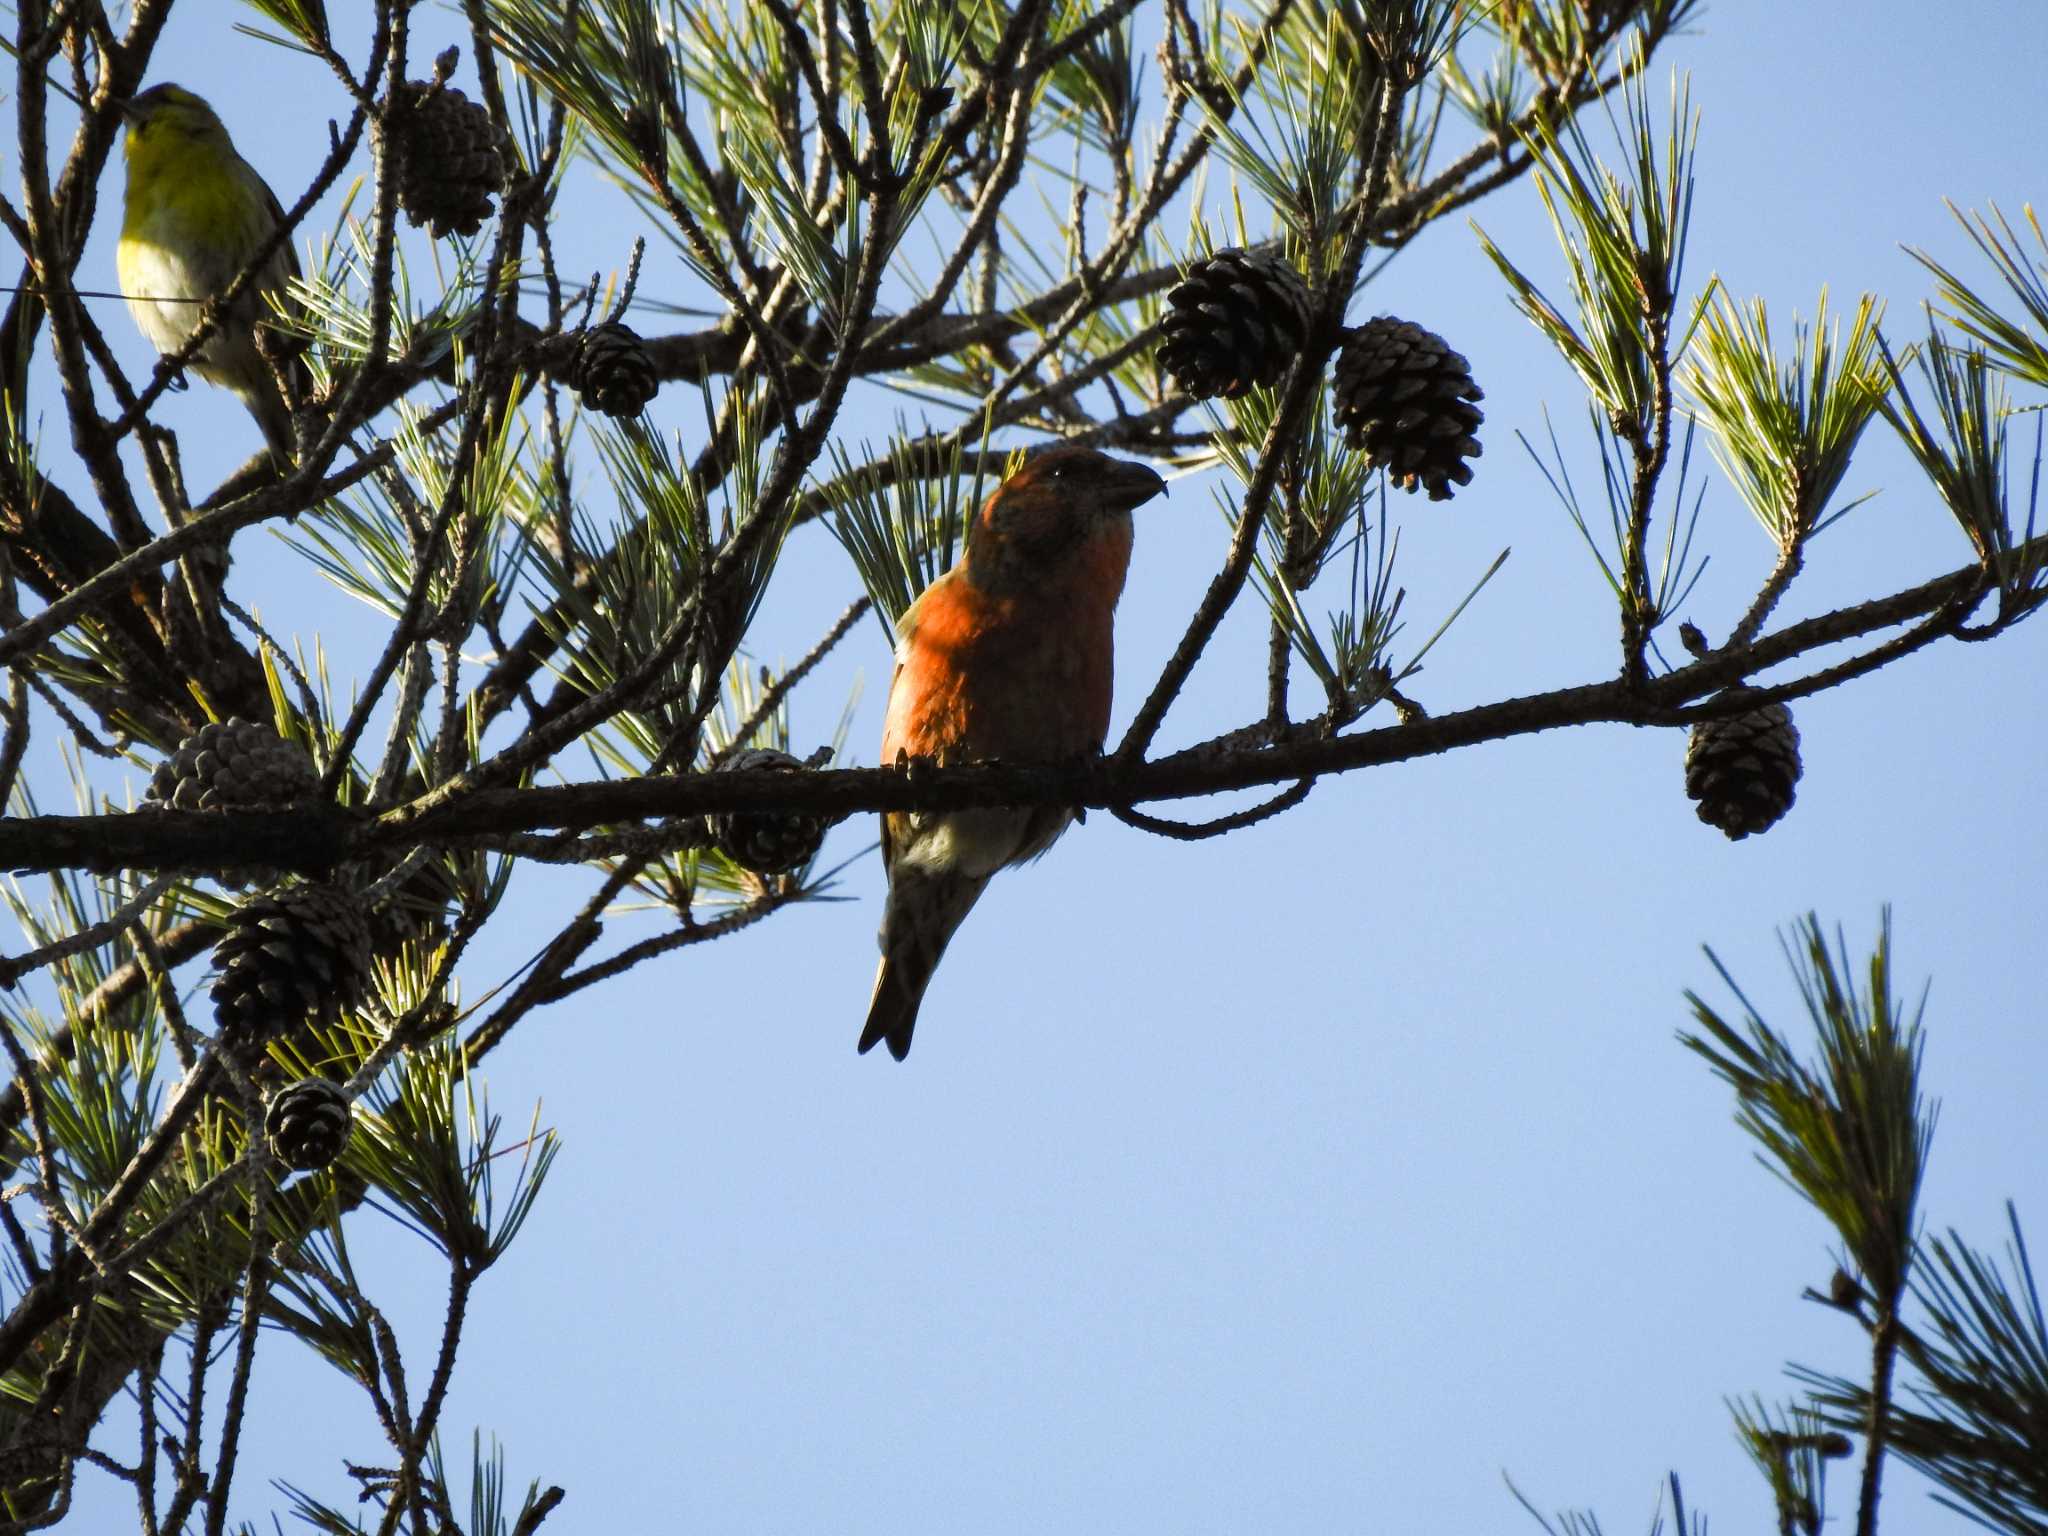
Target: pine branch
319, 839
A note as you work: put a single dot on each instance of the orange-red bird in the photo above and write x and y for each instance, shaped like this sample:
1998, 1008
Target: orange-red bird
1007, 656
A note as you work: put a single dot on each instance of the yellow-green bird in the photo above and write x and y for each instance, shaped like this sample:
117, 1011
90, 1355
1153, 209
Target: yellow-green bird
195, 214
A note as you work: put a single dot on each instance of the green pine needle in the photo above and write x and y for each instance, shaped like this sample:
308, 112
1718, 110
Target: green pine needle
1975, 1418
2017, 345
1623, 236
1785, 431
1851, 1132
899, 524
1963, 452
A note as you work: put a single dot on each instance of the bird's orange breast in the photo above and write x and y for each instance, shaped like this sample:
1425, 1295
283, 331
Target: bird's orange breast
1022, 676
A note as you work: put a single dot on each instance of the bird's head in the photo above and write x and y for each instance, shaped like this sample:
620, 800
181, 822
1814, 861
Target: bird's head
1065, 512
166, 117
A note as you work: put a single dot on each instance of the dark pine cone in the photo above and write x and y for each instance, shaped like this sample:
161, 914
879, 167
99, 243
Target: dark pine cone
766, 842
308, 1123
613, 372
296, 954
1741, 770
1233, 323
234, 765
1406, 398
447, 155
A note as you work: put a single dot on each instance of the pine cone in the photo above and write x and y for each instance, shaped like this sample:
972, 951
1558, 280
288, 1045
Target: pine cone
1234, 323
1741, 770
308, 1123
1405, 397
447, 157
766, 842
613, 372
233, 765
296, 954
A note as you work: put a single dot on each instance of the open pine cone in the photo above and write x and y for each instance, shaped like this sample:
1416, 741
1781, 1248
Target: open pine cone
1233, 323
1406, 398
308, 1123
613, 371
234, 765
292, 955
448, 158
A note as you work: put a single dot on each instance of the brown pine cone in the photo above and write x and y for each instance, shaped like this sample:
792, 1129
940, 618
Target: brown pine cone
1741, 770
234, 765
296, 954
613, 371
447, 156
1234, 323
766, 842
1406, 398
308, 1123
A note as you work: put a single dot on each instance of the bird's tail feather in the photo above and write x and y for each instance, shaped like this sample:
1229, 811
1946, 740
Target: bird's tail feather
275, 420
916, 925
272, 412
892, 1011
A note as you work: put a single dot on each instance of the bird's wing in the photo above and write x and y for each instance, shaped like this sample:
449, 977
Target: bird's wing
289, 249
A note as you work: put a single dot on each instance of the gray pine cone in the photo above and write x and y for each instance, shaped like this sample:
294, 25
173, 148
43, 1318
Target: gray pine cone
447, 157
309, 1123
613, 371
234, 765
1406, 398
1741, 770
296, 954
766, 842
1233, 323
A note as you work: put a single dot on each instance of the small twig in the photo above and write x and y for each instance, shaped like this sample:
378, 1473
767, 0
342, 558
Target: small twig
462, 1273
414, 675
145, 1460
573, 941
1190, 832
1638, 615
49, 1195
254, 1284
13, 968
1884, 1350
309, 702
1279, 652
15, 744
537, 1511
771, 699
646, 949
1790, 558
81, 733
183, 1040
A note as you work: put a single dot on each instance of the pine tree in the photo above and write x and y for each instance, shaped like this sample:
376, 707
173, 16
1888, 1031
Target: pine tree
562, 499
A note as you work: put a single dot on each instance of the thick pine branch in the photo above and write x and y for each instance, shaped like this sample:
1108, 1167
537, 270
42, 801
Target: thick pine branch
324, 837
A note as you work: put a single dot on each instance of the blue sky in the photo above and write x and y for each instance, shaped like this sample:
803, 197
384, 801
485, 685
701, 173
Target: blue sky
1312, 1178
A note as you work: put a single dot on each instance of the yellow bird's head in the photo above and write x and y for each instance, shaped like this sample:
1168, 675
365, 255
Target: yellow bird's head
167, 120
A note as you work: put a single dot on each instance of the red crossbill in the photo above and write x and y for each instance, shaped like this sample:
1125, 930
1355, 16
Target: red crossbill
1007, 656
